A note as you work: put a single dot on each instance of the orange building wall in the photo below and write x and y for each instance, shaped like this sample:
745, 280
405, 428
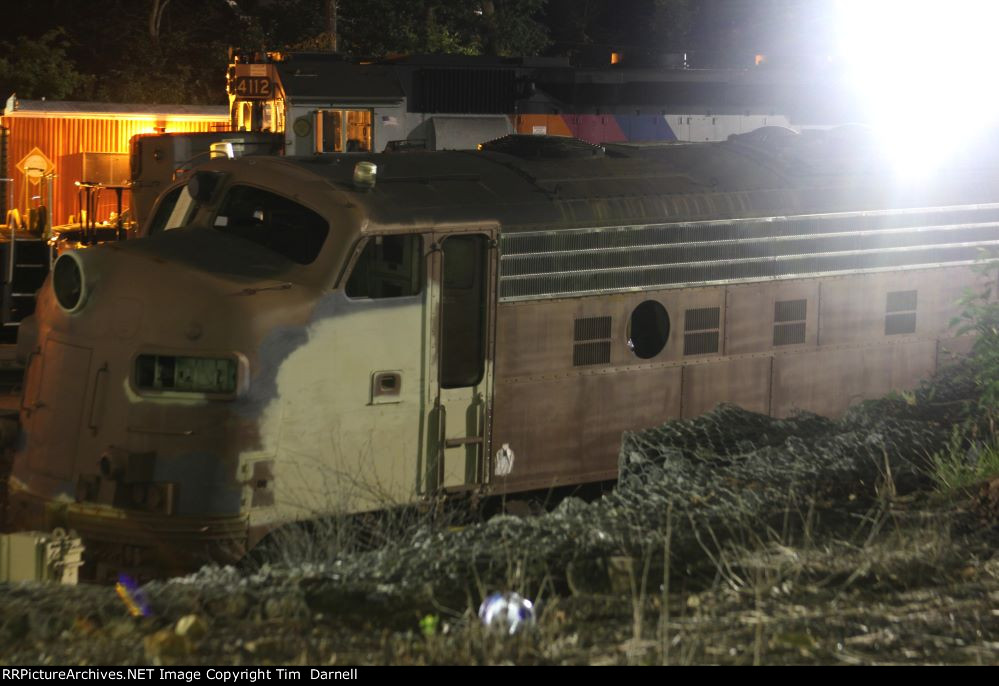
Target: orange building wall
58, 136
553, 124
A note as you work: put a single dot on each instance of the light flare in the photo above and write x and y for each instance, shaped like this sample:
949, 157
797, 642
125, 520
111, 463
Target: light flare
925, 73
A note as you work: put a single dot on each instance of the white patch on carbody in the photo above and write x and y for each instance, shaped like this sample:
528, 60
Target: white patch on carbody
334, 451
504, 460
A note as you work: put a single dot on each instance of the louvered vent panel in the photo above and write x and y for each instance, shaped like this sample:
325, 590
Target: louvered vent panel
474, 91
541, 264
701, 331
896, 324
698, 320
789, 334
789, 322
591, 341
790, 310
593, 328
901, 301
700, 343
586, 354
900, 313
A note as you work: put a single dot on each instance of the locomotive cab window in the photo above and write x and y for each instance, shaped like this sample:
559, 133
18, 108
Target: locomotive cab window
174, 211
274, 222
389, 267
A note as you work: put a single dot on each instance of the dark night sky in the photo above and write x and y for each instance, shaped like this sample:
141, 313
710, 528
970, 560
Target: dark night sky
800, 28
791, 26
106, 40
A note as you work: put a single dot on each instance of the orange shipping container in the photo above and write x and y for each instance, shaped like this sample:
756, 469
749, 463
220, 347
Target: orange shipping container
60, 131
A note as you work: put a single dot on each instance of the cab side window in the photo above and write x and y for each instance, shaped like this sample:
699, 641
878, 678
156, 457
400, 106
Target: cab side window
389, 267
274, 222
174, 210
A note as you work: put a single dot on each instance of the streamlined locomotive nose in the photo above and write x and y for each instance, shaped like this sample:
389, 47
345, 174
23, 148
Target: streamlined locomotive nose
136, 365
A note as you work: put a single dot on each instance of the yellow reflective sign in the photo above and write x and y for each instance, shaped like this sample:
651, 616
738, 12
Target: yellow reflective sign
35, 165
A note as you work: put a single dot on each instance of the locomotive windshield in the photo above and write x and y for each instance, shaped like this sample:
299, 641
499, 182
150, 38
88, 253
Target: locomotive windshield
173, 212
273, 222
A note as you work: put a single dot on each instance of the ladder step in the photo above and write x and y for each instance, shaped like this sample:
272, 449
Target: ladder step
22, 295
33, 266
12, 323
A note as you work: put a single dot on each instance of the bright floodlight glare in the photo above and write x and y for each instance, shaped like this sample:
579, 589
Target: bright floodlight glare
925, 71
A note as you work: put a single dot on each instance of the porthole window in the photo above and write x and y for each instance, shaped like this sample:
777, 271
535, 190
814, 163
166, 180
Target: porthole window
648, 329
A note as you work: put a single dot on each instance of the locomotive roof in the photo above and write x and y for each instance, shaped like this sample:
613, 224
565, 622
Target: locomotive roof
548, 183
531, 187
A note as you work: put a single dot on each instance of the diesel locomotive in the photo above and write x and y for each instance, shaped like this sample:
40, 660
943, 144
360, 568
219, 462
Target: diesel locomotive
342, 333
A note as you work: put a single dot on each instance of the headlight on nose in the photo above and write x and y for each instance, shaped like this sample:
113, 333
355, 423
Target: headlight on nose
67, 282
178, 374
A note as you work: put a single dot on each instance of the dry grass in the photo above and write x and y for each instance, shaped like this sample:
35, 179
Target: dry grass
909, 580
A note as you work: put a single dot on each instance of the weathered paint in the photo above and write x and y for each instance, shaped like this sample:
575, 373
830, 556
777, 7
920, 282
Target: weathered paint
333, 449
303, 435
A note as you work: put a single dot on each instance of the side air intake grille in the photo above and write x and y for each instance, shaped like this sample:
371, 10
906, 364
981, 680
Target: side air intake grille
585, 354
700, 328
594, 328
597, 330
900, 313
789, 322
614, 259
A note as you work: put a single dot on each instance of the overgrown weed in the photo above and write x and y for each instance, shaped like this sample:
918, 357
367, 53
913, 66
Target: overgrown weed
964, 462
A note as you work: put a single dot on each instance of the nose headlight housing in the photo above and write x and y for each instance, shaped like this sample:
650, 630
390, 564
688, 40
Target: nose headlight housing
184, 374
68, 283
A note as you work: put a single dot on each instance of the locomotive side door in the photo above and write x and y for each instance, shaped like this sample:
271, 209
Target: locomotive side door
460, 321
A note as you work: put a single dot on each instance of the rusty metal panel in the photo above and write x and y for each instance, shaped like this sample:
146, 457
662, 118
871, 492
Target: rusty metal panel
538, 337
853, 308
55, 423
910, 364
750, 314
939, 292
57, 137
828, 381
950, 350
584, 417
744, 382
